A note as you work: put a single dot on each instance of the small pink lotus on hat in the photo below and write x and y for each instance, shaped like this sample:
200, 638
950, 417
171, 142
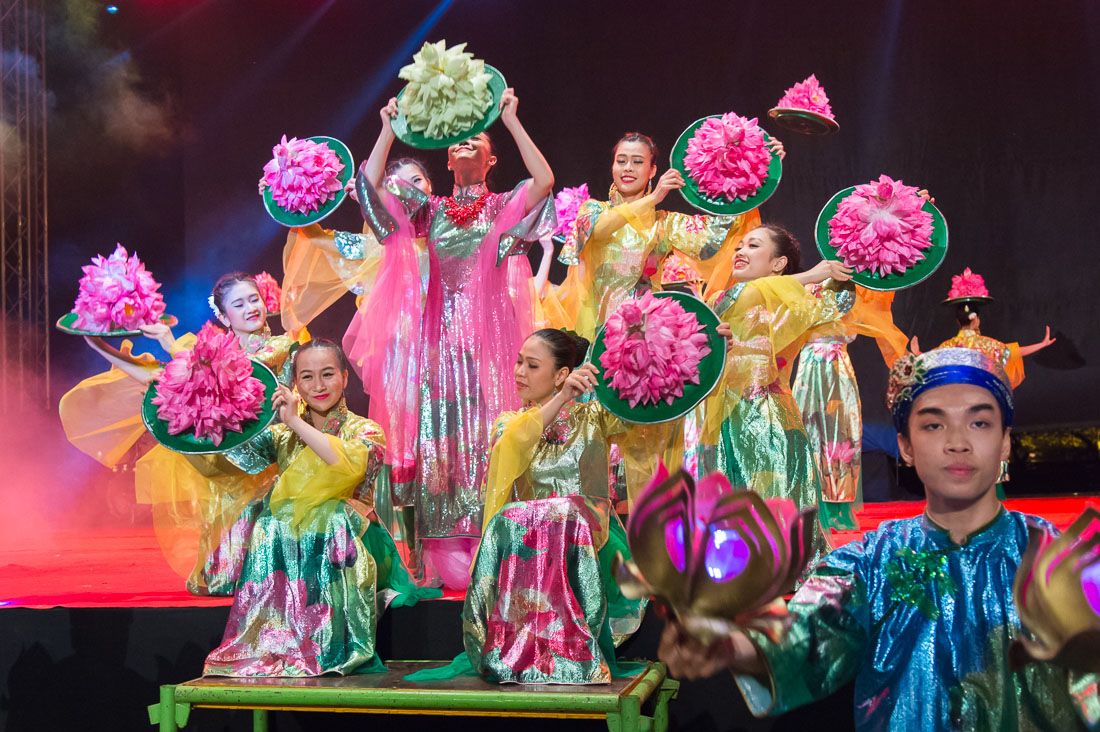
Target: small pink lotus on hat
808, 95
967, 284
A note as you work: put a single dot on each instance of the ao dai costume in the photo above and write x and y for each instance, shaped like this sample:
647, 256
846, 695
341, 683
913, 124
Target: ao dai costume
752, 431
827, 395
315, 569
616, 251
923, 625
476, 314
542, 606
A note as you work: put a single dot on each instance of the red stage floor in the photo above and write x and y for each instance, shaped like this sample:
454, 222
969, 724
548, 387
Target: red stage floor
124, 567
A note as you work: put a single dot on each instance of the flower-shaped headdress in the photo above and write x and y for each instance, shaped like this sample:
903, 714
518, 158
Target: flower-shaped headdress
716, 556
968, 293
808, 95
1057, 593
911, 375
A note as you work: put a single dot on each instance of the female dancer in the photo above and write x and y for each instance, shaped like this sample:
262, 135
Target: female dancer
306, 600
752, 431
617, 247
475, 314
547, 482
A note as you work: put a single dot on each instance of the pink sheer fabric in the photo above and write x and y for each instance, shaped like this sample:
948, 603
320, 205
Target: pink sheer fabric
382, 343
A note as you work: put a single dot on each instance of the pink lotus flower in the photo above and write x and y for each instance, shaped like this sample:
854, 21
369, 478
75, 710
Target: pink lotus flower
967, 284
727, 157
270, 291
808, 95
209, 389
303, 175
881, 228
653, 348
839, 452
567, 203
117, 293
677, 269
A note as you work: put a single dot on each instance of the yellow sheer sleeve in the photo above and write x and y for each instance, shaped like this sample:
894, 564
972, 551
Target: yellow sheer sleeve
768, 316
316, 273
308, 481
708, 242
518, 433
195, 501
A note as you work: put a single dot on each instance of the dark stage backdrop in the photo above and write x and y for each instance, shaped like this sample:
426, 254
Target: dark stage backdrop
991, 105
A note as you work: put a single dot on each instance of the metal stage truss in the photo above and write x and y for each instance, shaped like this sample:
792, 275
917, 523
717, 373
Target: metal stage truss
24, 289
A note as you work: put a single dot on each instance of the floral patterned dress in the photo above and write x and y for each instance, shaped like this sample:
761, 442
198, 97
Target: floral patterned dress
315, 569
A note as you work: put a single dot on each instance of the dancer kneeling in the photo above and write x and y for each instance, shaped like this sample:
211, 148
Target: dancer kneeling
542, 606
305, 600
919, 612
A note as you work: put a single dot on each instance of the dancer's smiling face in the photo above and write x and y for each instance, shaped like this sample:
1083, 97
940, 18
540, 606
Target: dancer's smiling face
632, 168
242, 308
755, 256
320, 378
471, 160
414, 176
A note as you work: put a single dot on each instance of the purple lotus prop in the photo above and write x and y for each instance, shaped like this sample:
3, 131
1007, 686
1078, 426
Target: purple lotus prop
1057, 593
717, 557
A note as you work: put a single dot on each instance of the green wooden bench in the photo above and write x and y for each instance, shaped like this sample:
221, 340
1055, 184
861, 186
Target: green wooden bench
619, 703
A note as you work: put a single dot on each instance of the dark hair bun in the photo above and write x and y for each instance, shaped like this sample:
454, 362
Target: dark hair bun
582, 345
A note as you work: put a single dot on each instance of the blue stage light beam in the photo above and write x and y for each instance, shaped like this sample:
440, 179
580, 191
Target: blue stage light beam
880, 73
348, 118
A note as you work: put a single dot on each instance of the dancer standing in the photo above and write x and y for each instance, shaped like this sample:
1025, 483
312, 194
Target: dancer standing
476, 315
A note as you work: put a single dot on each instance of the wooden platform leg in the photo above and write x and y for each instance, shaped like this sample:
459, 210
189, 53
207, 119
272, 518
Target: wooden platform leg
260, 720
166, 714
629, 717
668, 691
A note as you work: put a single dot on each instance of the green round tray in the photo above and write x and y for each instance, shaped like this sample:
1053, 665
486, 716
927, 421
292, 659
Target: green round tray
710, 371
922, 270
803, 121
65, 325
400, 124
696, 198
292, 219
186, 442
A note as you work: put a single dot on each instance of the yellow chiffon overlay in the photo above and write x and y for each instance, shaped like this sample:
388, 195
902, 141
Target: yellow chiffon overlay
770, 319
318, 270
617, 249
102, 414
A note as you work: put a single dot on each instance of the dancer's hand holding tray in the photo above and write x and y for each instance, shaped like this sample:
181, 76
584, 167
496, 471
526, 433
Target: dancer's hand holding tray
210, 398
729, 164
117, 297
450, 97
716, 557
1057, 593
659, 356
892, 236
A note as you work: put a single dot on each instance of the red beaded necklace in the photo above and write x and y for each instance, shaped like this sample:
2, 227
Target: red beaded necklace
461, 214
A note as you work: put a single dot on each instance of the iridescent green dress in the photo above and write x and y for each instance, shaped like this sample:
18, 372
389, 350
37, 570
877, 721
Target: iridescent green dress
316, 569
827, 395
923, 625
752, 431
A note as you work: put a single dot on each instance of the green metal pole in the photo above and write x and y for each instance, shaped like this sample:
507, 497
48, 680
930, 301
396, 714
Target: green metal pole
168, 709
259, 720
